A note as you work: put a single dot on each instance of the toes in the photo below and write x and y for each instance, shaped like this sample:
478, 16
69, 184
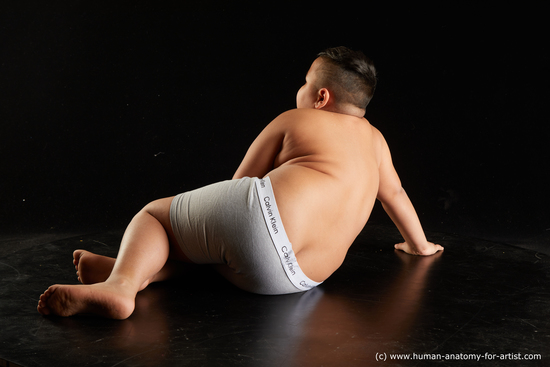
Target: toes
48, 292
43, 303
42, 308
77, 254
44, 296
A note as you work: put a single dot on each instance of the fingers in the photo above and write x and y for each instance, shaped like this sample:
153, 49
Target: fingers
429, 250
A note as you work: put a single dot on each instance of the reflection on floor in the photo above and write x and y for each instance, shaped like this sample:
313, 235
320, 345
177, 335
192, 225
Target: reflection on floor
476, 301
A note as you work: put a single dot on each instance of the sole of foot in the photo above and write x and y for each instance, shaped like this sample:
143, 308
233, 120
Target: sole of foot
98, 299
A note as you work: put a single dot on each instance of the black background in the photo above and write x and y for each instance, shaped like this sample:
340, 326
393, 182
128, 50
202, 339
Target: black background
105, 109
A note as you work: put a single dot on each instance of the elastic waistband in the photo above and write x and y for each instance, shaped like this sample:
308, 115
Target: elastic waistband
279, 237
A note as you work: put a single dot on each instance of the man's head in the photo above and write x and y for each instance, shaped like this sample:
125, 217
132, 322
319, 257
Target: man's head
340, 80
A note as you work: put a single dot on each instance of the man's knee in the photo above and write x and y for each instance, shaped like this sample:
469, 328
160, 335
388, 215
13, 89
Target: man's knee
159, 208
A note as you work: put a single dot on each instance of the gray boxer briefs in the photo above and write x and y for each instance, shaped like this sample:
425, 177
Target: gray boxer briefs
235, 225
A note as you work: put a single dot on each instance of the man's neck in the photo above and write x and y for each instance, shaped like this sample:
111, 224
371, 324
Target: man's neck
347, 109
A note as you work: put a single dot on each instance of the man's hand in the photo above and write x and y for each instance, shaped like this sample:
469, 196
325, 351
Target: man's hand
427, 250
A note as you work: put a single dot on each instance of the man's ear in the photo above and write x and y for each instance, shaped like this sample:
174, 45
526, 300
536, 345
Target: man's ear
323, 98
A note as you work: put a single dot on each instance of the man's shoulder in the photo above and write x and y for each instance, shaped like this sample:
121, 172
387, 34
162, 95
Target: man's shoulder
299, 113
304, 115
292, 119
308, 119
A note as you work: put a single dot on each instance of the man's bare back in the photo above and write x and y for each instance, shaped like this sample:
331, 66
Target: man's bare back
328, 165
324, 170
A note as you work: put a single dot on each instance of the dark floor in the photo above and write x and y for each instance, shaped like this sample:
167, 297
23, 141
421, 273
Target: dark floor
477, 298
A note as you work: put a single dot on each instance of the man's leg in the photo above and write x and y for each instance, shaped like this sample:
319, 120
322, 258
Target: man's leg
93, 268
146, 246
143, 253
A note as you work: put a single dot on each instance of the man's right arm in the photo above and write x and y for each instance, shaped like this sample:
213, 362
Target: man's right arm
397, 204
261, 154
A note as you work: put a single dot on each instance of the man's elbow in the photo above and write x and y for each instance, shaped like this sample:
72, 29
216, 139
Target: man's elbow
389, 196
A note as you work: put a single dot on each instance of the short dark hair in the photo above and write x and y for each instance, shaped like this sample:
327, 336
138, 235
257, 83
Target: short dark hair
350, 74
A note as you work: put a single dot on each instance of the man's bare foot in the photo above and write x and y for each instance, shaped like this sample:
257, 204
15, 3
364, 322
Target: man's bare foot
92, 268
100, 299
